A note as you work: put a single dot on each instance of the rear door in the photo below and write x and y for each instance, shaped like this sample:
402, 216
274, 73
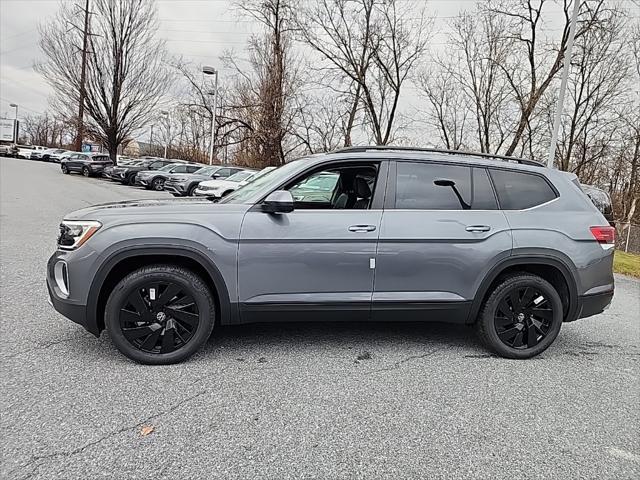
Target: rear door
441, 233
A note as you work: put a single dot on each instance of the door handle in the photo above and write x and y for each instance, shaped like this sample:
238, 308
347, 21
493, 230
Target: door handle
478, 228
362, 228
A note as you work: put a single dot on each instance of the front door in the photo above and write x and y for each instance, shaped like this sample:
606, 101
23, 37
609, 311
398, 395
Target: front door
441, 233
316, 261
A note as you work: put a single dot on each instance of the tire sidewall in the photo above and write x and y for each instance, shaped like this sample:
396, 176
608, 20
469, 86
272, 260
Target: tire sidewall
489, 311
64, 169
85, 172
191, 283
157, 184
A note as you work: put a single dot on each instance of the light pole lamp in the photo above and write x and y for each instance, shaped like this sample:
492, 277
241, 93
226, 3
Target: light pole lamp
207, 70
166, 114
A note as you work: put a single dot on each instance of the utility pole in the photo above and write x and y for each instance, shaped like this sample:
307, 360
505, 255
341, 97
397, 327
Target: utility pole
563, 84
207, 70
83, 73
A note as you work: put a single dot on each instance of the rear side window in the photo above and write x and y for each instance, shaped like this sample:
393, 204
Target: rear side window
100, 158
426, 186
192, 168
519, 190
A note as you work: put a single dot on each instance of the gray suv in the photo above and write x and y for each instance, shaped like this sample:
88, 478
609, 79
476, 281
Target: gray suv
360, 234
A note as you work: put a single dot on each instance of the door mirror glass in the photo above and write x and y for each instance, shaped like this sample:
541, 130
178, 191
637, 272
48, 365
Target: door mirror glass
279, 201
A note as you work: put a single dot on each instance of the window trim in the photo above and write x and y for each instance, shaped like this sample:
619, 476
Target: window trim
390, 198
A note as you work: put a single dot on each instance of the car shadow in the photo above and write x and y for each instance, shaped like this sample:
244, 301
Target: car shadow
346, 335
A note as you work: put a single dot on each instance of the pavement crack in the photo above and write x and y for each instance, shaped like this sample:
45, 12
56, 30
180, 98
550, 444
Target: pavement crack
75, 451
399, 363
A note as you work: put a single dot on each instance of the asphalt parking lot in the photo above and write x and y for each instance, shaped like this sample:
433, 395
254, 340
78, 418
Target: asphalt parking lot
325, 401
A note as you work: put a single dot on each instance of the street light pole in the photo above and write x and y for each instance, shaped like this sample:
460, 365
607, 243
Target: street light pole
166, 114
212, 71
563, 84
15, 128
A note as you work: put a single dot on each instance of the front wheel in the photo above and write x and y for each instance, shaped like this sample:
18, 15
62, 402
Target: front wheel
86, 172
160, 314
521, 317
157, 184
64, 169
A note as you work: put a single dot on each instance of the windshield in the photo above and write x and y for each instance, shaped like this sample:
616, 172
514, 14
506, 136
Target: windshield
207, 171
271, 179
239, 176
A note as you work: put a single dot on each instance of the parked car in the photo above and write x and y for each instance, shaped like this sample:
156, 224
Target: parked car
23, 151
89, 164
108, 172
182, 185
222, 187
36, 152
154, 179
53, 154
601, 200
127, 174
6, 150
507, 245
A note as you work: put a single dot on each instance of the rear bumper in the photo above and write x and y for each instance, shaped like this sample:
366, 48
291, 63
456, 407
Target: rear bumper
589, 305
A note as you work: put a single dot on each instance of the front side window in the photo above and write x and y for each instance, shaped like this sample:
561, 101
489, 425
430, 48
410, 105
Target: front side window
520, 190
192, 168
177, 169
343, 188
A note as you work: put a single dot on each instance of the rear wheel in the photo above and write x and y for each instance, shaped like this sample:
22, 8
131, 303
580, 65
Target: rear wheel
86, 172
521, 317
160, 314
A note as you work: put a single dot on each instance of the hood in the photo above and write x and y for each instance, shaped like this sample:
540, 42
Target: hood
218, 184
187, 177
153, 210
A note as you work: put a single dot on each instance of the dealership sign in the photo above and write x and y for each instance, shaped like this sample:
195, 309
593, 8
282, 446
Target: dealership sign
7, 130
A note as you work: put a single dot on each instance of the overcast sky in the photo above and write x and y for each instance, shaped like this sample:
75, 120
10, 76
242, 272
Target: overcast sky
200, 30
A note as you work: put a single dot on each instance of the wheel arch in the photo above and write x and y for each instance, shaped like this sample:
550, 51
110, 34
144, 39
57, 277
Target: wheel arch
552, 269
119, 264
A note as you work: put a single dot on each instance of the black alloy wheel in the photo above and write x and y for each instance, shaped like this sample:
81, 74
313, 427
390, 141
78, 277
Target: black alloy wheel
521, 316
159, 317
64, 169
158, 184
160, 314
86, 172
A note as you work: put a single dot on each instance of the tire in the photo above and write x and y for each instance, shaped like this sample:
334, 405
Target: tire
137, 337
64, 169
157, 184
521, 317
86, 172
191, 190
131, 180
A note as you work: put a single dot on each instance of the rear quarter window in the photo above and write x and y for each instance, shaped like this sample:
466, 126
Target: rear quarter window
520, 190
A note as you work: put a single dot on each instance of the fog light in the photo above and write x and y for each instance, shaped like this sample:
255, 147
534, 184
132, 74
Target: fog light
61, 276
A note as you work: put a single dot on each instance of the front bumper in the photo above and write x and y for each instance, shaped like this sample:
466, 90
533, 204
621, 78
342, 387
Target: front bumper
175, 188
590, 305
72, 309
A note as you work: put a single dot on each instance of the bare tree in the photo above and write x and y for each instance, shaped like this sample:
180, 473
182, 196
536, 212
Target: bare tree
125, 76
47, 130
535, 60
373, 45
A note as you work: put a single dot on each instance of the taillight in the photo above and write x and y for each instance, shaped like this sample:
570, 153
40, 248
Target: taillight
604, 235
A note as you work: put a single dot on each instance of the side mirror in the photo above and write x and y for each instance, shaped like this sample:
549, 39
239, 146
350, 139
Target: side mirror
215, 175
279, 201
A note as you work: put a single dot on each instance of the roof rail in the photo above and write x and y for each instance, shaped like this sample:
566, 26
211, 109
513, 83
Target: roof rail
437, 150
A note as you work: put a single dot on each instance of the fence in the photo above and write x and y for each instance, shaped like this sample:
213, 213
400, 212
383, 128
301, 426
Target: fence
628, 237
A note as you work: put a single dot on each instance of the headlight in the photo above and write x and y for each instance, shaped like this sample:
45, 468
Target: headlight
73, 234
